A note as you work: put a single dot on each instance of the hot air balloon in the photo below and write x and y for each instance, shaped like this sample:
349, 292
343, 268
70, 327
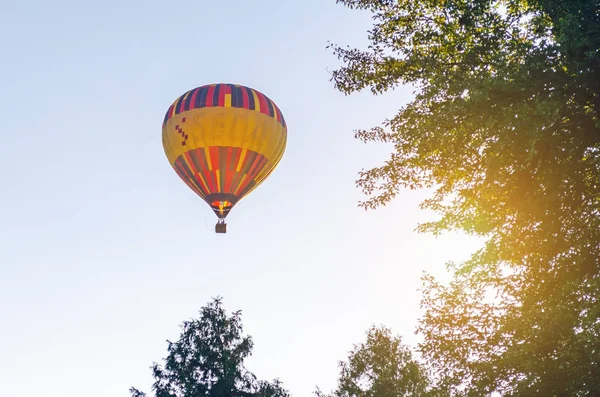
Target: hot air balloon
223, 140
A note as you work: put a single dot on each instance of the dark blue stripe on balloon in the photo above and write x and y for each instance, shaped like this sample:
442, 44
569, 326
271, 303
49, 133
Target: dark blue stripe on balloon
215, 99
201, 98
271, 110
251, 104
178, 104
239, 99
188, 100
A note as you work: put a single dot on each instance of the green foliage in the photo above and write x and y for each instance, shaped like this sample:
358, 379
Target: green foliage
382, 366
207, 360
505, 127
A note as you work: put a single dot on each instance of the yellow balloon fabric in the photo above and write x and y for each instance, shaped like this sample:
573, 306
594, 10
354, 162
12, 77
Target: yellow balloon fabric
223, 140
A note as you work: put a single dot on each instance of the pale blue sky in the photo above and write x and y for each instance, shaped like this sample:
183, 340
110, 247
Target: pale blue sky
104, 251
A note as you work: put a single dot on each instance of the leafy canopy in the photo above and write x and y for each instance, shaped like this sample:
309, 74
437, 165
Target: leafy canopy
208, 360
505, 128
382, 366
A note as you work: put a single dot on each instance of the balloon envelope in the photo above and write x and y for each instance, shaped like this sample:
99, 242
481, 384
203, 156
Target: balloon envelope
223, 140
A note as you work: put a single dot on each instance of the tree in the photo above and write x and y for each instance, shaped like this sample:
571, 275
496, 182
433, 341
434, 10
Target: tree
505, 128
207, 360
382, 366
